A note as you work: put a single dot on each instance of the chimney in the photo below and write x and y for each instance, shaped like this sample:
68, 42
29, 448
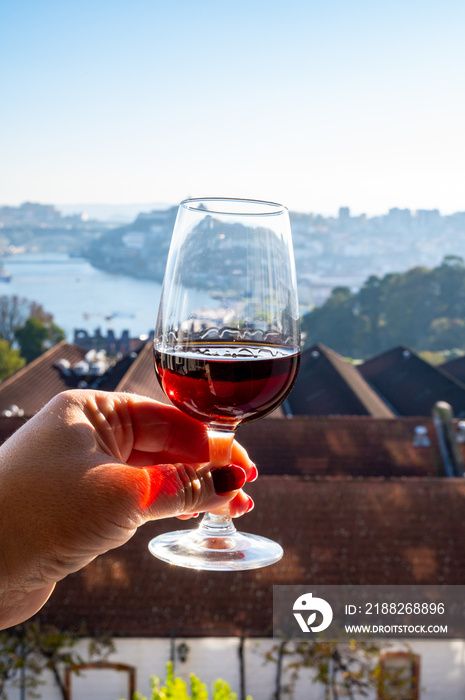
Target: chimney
420, 436
450, 451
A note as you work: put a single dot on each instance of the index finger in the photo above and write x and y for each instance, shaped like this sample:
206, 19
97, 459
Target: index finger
166, 433
163, 433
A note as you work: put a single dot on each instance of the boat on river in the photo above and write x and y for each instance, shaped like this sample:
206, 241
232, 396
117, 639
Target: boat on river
4, 275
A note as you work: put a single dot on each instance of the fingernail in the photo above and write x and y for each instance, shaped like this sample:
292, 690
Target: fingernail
253, 473
229, 478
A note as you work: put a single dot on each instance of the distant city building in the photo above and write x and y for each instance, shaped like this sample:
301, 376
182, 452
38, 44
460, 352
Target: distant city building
428, 218
345, 248
400, 218
110, 343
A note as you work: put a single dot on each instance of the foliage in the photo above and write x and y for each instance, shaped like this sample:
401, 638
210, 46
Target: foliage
421, 308
28, 324
36, 336
28, 649
14, 312
442, 356
10, 360
176, 689
11, 660
344, 669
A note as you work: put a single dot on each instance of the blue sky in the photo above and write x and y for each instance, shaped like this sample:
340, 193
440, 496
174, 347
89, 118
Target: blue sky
317, 105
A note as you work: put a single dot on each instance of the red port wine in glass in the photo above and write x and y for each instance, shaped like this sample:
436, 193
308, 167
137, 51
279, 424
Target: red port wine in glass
226, 348
223, 391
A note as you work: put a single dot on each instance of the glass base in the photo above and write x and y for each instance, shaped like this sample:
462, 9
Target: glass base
233, 552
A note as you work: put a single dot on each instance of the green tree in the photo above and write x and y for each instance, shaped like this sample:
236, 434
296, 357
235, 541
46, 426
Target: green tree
11, 660
36, 336
10, 360
446, 333
14, 312
174, 688
28, 649
337, 323
345, 669
449, 278
26, 323
421, 308
411, 302
370, 300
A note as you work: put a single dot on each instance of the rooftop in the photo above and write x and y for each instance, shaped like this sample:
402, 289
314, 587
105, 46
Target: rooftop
333, 531
34, 385
456, 368
350, 498
341, 445
410, 385
327, 384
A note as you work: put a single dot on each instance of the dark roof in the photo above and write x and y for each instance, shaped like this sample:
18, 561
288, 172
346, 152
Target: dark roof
34, 385
410, 385
341, 445
333, 531
112, 378
456, 368
327, 384
141, 379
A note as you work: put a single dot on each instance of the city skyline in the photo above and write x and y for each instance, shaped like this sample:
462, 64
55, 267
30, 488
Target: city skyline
50, 213
315, 106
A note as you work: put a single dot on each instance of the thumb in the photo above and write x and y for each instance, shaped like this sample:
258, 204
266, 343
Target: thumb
179, 489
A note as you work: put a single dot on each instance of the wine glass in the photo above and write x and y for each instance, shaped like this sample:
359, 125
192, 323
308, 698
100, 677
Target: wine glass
226, 348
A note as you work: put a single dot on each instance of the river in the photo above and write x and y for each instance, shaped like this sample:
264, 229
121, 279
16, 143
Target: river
80, 296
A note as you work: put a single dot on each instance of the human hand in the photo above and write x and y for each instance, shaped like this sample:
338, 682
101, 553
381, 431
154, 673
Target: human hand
83, 474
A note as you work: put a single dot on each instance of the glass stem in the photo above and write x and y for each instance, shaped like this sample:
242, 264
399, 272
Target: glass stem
218, 523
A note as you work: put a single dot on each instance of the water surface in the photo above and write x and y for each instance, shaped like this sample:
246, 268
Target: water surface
81, 296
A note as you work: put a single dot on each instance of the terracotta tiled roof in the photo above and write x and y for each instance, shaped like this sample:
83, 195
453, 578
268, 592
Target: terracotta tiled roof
327, 384
333, 532
8, 426
329, 446
34, 385
410, 385
338, 445
335, 529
